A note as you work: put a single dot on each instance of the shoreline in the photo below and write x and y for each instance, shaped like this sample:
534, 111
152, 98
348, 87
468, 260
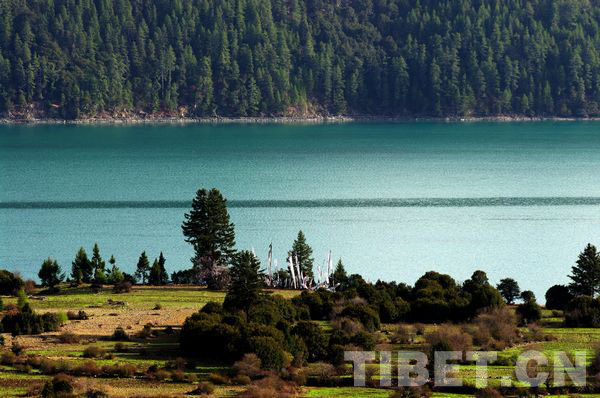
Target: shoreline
284, 120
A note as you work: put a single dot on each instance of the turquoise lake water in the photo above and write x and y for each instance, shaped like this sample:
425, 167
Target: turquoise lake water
393, 200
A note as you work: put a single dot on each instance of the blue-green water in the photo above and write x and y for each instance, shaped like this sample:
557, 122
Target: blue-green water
393, 200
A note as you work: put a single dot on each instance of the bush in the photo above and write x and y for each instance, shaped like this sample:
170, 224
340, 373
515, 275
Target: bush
61, 385
68, 338
271, 387
241, 380
120, 347
157, 307
583, 311
412, 392
269, 351
558, 297
249, 365
123, 370
218, 379
77, 316
321, 374
364, 314
93, 352
122, 287
314, 338
488, 392
529, 312
88, 368
449, 338
205, 388
9, 283
161, 375
8, 358
496, 327
17, 348
120, 334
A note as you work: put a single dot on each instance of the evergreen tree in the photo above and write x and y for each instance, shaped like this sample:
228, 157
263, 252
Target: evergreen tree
158, 274
303, 253
81, 267
247, 282
50, 274
340, 276
98, 263
509, 289
143, 267
585, 274
208, 229
115, 275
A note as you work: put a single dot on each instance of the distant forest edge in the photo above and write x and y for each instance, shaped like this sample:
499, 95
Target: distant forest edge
201, 58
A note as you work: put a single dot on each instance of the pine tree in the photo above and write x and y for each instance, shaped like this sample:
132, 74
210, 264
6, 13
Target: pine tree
143, 267
98, 263
303, 252
247, 282
208, 229
158, 275
115, 275
509, 289
81, 267
339, 276
50, 274
585, 274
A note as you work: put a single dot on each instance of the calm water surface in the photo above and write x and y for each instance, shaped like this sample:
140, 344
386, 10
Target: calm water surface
393, 200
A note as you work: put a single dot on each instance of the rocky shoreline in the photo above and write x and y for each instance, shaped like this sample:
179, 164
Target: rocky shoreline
282, 119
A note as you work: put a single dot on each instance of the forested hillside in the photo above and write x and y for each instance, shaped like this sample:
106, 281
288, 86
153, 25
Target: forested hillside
81, 58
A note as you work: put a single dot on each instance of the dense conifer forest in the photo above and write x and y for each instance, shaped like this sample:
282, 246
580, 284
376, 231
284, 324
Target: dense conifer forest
72, 59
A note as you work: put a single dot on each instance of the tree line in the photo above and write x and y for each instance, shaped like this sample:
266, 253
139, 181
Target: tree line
277, 57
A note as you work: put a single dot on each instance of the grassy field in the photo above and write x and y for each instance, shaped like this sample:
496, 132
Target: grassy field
165, 307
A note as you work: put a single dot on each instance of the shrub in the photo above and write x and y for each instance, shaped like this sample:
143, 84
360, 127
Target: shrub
178, 376
29, 286
449, 338
321, 373
529, 311
8, 358
120, 334
412, 392
162, 374
488, 392
94, 393
314, 338
217, 379
583, 311
77, 316
217, 339
271, 387
120, 347
122, 287
61, 385
88, 368
404, 334
364, 314
9, 283
93, 352
249, 365
157, 307
205, 388
17, 348
123, 370
495, 327
558, 297
68, 338
25, 368
269, 351
241, 380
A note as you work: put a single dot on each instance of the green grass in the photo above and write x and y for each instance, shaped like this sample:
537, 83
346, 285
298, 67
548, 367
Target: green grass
144, 298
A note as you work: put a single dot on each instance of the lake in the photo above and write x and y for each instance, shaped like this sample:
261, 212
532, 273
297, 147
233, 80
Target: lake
516, 200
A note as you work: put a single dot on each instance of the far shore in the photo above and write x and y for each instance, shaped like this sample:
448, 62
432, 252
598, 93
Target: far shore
315, 119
